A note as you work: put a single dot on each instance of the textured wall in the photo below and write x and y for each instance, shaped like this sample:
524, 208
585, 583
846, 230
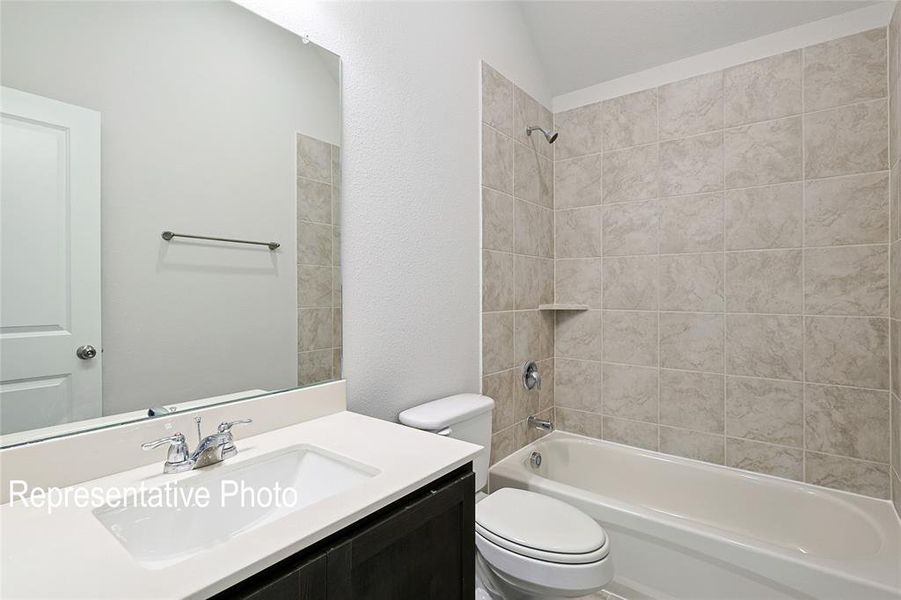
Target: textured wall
730, 235
895, 157
517, 258
410, 197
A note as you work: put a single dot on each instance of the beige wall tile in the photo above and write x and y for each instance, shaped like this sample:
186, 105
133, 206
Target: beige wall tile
530, 337
848, 474
763, 153
533, 176
632, 433
847, 351
846, 70
578, 233
546, 393
691, 165
497, 342
314, 330
847, 210
764, 346
314, 201
499, 387
528, 111
692, 282
497, 100
630, 174
578, 281
630, 282
497, 281
579, 422
691, 400
765, 410
578, 335
577, 181
525, 404
691, 224
314, 243
630, 228
895, 199
894, 59
497, 220
630, 337
691, 341
691, 106
895, 280
766, 281
497, 160
630, 392
764, 217
846, 280
577, 384
769, 88
581, 131
502, 445
533, 281
895, 360
630, 120
847, 421
315, 366
314, 159
896, 432
847, 140
534, 229
777, 461
314, 286
693, 444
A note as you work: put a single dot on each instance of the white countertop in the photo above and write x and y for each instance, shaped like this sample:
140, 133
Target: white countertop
70, 554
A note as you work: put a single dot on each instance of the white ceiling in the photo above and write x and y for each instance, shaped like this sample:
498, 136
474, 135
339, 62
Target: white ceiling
585, 43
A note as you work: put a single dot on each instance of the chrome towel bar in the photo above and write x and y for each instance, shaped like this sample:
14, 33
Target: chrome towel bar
168, 235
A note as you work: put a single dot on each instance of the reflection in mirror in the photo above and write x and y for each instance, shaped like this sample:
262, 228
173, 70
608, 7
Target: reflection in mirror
125, 120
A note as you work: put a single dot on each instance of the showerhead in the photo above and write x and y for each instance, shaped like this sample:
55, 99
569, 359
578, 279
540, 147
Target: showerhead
550, 136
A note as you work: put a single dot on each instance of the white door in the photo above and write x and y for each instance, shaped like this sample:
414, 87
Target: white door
49, 262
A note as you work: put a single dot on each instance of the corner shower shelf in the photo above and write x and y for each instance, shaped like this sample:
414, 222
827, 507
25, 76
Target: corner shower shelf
562, 307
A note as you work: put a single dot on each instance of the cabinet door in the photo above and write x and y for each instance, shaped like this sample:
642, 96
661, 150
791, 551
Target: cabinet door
423, 550
304, 581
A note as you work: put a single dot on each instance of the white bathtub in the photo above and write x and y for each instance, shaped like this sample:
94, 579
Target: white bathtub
685, 529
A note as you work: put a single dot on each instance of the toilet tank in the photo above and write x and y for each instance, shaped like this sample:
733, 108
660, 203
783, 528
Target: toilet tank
464, 417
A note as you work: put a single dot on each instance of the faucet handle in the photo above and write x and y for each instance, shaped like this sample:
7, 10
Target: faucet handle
227, 425
174, 439
177, 459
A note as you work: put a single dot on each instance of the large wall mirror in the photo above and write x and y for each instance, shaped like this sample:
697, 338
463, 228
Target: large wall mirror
169, 212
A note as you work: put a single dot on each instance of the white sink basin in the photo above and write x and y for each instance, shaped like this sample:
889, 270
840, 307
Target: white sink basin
160, 536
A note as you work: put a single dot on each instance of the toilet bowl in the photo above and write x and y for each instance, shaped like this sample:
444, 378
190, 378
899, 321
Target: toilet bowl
528, 546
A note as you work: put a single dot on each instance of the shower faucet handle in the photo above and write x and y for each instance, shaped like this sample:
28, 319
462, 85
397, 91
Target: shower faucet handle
531, 378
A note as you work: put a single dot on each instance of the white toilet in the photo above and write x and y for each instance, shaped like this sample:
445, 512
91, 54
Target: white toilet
528, 545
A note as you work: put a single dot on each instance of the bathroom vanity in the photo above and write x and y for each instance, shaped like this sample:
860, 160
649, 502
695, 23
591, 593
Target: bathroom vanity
418, 547
385, 511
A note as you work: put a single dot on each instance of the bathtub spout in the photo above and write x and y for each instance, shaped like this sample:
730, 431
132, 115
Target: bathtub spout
542, 424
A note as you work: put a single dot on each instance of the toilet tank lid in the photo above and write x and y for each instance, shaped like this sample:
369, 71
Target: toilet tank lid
442, 413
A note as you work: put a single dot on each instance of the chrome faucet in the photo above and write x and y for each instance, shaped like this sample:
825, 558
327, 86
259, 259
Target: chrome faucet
542, 424
210, 450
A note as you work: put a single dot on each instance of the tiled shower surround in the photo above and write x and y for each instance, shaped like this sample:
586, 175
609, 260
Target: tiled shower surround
318, 261
517, 258
730, 234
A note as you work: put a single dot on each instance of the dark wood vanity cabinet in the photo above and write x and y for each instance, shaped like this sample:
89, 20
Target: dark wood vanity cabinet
420, 547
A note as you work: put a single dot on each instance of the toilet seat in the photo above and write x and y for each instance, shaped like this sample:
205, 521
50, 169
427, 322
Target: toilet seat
540, 545
540, 527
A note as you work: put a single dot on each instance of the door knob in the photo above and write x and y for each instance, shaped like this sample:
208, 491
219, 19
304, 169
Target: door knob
86, 352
